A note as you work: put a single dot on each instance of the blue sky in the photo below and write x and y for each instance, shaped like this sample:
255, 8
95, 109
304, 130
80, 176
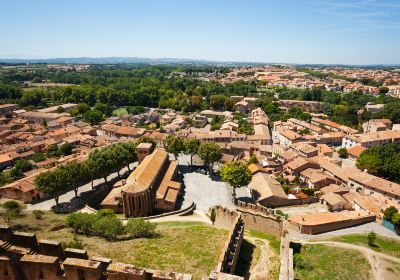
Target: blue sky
297, 31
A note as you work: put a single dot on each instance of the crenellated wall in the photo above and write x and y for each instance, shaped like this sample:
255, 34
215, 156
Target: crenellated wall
23, 257
231, 220
260, 218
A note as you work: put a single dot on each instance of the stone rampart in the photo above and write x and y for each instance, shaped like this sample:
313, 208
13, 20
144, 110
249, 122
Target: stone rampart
22, 257
260, 218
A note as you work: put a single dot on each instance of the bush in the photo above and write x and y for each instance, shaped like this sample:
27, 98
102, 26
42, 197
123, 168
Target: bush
105, 212
138, 227
308, 191
371, 237
74, 243
108, 226
81, 222
13, 206
38, 214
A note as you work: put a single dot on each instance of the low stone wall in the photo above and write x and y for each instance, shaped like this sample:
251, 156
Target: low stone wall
232, 220
260, 218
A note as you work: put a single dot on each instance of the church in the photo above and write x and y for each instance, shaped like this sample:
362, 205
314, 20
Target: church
151, 188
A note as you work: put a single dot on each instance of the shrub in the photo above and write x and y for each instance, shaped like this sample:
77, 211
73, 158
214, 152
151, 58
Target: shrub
308, 191
81, 222
396, 219
138, 227
105, 212
371, 237
75, 243
38, 214
108, 226
13, 206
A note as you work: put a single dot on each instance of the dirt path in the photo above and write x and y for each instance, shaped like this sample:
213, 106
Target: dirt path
375, 259
261, 270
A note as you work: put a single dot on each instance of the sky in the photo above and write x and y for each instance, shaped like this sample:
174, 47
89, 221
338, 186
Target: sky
270, 31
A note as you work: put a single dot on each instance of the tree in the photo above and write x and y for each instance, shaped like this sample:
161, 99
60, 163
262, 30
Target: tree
138, 227
66, 149
252, 160
93, 116
389, 212
343, 153
146, 139
74, 174
50, 183
38, 157
20, 167
396, 219
108, 226
371, 237
236, 174
191, 147
174, 145
213, 215
209, 154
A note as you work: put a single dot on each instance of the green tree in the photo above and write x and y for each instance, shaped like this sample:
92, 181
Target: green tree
191, 147
236, 174
66, 149
20, 167
396, 219
213, 215
12, 206
343, 153
209, 154
93, 116
371, 237
108, 226
389, 212
51, 183
252, 160
174, 145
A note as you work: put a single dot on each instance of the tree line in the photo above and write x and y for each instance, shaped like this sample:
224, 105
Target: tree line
100, 163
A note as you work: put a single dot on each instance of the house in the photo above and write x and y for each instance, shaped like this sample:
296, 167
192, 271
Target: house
299, 164
334, 201
376, 125
315, 179
8, 108
23, 190
355, 152
266, 190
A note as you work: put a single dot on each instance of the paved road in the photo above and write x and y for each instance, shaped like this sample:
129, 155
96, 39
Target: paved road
67, 197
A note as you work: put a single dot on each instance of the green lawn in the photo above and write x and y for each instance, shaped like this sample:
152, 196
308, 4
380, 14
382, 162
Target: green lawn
190, 247
120, 111
383, 245
326, 263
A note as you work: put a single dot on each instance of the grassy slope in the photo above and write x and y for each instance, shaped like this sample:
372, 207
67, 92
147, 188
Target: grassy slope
332, 263
184, 247
384, 245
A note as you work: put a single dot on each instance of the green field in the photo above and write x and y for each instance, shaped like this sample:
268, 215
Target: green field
383, 245
120, 111
190, 247
327, 263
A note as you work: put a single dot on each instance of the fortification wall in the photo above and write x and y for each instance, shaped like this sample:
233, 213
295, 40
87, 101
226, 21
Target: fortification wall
23, 257
320, 228
232, 220
260, 218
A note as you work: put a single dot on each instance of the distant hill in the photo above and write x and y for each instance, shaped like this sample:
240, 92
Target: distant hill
118, 60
